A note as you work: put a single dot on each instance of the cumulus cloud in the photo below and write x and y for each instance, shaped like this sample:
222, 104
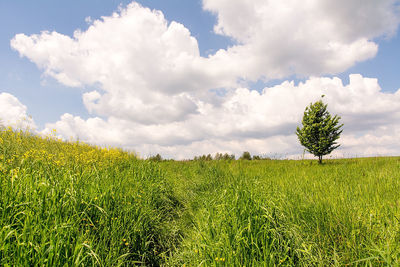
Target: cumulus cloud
145, 68
151, 71
281, 38
155, 93
13, 113
263, 123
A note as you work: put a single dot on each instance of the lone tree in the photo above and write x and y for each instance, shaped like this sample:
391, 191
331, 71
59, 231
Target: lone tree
320, 130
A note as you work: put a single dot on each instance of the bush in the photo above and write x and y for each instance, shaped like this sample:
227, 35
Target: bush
226, 156
246, 156
156, 158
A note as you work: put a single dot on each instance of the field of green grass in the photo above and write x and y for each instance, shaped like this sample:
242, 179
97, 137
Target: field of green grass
68, 203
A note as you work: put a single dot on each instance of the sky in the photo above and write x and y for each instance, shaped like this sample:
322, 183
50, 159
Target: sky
186, 78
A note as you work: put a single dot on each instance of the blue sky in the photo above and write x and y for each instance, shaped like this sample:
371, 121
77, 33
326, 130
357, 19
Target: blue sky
47, 98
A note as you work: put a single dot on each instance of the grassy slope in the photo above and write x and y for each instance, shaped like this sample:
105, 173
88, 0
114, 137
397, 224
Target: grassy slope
69, 203
290, 212
73, 204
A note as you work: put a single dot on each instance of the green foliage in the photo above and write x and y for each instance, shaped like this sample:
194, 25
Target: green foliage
320, 130
257, 157
226, 156
204, 157
156, 158
246, 156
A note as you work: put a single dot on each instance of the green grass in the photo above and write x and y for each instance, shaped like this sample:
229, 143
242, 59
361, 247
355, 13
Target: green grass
73, 204
291, 212
71, 210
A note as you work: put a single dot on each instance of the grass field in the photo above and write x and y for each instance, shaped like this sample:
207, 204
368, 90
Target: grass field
68, 203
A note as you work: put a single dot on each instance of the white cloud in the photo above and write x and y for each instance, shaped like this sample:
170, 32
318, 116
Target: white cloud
146, 69
154, 89
280, 38
263, 123
150, 71
13, 113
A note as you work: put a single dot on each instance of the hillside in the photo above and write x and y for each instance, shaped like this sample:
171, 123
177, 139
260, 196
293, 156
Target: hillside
69, 203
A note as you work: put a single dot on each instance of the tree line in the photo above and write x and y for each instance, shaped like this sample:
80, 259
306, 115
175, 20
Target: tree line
218, 156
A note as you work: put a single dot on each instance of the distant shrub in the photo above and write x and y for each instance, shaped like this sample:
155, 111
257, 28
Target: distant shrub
258, 157
156, 158
246, 156
226, 156
203, 157
218, 156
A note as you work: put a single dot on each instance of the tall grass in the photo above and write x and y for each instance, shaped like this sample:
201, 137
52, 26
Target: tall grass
68, 203
74, 204
285, 213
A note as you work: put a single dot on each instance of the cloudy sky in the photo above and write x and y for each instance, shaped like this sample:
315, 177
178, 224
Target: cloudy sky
185, 78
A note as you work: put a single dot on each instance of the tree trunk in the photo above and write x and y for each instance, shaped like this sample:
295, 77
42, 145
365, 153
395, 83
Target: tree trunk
320, 159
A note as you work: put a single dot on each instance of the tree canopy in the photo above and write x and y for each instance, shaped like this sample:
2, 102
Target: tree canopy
319, 131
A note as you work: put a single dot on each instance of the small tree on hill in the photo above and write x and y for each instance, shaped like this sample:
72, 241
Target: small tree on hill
320, 130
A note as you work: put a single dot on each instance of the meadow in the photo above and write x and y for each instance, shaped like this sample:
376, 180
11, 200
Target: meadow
72, 204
